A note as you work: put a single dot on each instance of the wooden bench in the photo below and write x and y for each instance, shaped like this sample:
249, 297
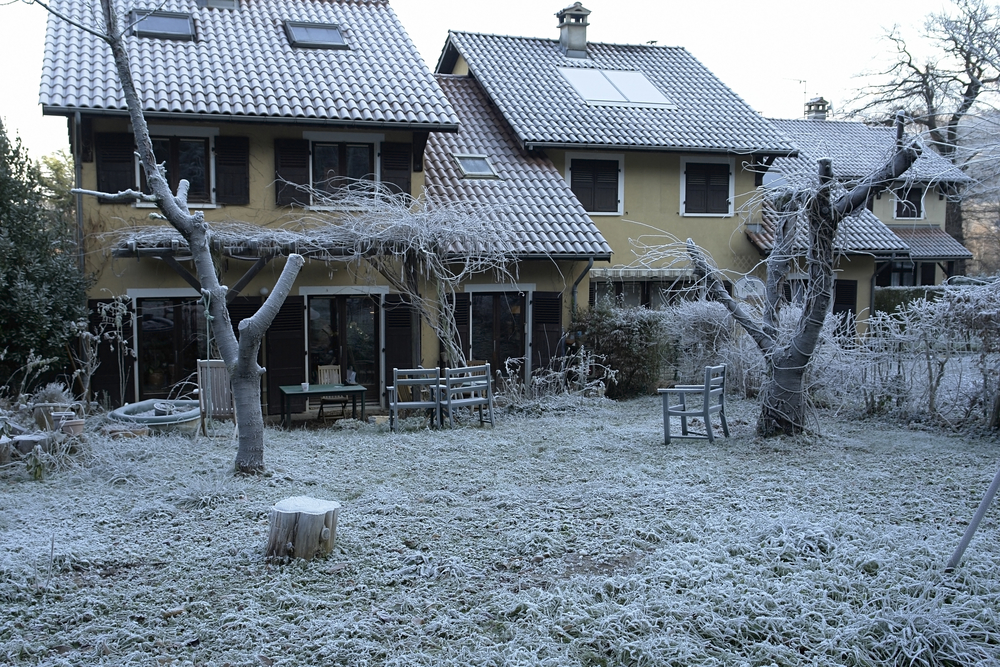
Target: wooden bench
697, 400
468, 387
414, 389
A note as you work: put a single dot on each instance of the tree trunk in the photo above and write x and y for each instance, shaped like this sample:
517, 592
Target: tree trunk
302, 527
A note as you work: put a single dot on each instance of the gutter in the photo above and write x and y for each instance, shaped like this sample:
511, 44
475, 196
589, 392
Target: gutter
78, 184
182, 117
541, 145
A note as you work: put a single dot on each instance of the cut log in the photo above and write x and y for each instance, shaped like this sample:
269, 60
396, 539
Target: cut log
302, 527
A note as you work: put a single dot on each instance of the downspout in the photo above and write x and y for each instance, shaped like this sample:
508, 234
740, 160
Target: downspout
78, 178
590, 265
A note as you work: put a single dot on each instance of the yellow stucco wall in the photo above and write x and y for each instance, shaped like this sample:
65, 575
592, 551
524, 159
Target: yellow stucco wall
652, 212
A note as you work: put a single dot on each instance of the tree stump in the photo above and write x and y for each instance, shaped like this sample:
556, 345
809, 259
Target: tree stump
302, 527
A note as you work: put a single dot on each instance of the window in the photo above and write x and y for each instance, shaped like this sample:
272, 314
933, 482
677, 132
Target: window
221, 4
475, 166
614, 87
164, 25
315, 35
217, 168
597, 181
910, 203
706, 187
185, 158
329, 161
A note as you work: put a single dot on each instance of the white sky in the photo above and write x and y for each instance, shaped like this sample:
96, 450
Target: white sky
762, 50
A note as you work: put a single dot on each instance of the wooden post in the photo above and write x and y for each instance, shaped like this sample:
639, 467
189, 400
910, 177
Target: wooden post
302, 527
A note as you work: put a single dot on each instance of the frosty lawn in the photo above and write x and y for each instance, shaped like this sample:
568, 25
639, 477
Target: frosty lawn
569, 537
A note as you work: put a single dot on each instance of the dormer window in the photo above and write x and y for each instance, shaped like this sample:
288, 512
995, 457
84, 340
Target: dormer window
475, 166
315, 35
162, 25
614, 87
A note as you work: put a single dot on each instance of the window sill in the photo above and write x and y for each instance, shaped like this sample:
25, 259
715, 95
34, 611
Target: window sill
192, 205
706, 215
605, 213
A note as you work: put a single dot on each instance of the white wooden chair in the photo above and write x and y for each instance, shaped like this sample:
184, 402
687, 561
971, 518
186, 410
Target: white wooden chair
414, 389
215, 392
330, 374
697, 400
468, 387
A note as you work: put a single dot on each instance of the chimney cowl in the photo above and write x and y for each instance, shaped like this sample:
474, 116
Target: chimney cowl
573, 30
817, 108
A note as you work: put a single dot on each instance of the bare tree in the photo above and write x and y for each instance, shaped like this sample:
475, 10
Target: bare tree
240, 355
820, 208
941, 91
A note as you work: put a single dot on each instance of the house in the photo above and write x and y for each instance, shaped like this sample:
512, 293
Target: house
245, 99
649, 142
913, 208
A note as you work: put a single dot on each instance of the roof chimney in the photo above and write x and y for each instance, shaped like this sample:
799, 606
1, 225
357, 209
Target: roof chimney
573, 30
817, 108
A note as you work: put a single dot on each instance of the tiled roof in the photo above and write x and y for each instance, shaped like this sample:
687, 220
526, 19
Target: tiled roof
520, 76
928, 242
860, 233
241, 64
547, 216
856, 150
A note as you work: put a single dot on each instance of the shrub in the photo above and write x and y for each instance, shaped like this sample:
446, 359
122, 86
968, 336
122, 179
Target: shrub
632, 341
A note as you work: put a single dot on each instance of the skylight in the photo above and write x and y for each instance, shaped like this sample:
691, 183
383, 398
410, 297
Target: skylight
614, 87
221, 4
165, 25
475, 166
315, 35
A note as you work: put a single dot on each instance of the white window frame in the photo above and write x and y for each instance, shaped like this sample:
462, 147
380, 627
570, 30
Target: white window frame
708, 159
340, 138
620, 157
923, 203
210, 133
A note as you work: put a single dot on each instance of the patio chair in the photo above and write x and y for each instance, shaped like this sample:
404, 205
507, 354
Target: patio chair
697, 400
468, 387
215, 392
414, 389
330, 374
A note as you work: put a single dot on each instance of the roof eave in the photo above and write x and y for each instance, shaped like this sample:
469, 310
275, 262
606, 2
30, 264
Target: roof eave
233, 118
763, 152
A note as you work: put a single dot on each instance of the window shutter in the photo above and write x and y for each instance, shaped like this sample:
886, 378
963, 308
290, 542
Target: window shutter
396, 167
606, 186
463, 313
706, 188
399, 341
595, 184
291, 169
286, 358
232, 170
845, 296
115, 162
546, 328
908, 205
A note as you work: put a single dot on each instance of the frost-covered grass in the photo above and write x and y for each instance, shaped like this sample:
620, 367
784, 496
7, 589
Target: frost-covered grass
568, 537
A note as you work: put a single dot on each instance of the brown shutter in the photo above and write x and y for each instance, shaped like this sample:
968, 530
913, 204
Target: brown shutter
606, 186
399, 342
546, 328
396, 167
232, 170
845, 296
706, 188
291, 169
463, 313
595, 184
286, 354
115, 162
